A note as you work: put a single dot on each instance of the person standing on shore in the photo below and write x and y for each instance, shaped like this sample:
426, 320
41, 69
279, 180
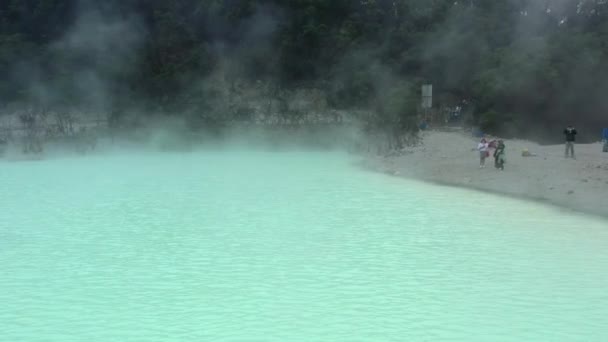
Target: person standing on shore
499, 156
570, 133
482, 147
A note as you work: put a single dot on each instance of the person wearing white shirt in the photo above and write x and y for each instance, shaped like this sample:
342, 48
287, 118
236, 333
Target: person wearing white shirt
483, 147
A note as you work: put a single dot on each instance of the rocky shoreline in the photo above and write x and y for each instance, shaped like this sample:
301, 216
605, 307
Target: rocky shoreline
449, 158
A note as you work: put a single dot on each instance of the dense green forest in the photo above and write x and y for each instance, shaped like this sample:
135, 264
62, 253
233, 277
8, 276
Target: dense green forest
518, 66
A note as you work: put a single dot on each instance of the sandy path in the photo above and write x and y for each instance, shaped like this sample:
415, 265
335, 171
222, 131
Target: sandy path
448, 158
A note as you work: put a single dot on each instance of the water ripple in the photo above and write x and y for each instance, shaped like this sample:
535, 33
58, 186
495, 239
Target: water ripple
292, 247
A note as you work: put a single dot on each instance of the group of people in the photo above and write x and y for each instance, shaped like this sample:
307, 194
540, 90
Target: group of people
499, 153
499, 149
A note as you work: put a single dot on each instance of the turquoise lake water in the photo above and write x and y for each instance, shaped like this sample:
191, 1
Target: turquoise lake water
285, 246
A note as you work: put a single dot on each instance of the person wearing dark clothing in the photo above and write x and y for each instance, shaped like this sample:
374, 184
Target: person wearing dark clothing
570, 133
499, 156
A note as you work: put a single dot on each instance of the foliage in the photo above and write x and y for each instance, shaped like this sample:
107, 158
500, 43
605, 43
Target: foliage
521, 63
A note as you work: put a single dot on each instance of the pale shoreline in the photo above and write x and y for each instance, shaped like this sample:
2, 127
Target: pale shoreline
449, 159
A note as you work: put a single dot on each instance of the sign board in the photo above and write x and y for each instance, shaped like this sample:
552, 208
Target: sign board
427, 96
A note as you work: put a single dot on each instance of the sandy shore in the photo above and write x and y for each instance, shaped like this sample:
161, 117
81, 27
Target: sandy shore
449, 158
